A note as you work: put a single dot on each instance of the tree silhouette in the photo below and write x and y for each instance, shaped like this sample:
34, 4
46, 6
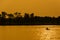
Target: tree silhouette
10, 15
17, 14
0, 15
32, 15
28, 19
4, 14
26, 15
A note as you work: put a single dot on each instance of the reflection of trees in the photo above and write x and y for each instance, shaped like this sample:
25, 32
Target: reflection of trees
29, 19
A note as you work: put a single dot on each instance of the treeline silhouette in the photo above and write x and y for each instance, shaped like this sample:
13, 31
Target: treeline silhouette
28, 19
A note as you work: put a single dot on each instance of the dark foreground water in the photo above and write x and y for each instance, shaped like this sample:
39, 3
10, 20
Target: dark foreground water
30, 32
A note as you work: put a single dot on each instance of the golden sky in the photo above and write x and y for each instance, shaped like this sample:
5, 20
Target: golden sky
39, 7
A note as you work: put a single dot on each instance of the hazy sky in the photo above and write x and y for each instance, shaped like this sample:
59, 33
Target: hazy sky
39, 7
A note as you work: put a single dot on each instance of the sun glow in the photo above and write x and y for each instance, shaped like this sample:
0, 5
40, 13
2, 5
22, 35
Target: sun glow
46, 34
39, 7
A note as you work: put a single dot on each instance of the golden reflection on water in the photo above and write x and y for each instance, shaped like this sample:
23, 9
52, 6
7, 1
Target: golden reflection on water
30, 32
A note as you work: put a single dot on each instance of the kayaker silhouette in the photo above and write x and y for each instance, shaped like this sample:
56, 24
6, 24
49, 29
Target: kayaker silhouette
47, 29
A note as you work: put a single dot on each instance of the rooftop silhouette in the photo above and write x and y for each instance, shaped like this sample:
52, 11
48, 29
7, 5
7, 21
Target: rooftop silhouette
28, 19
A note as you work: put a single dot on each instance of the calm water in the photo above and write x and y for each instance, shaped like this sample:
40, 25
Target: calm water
30, 32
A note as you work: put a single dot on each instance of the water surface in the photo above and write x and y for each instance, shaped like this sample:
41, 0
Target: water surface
30, 32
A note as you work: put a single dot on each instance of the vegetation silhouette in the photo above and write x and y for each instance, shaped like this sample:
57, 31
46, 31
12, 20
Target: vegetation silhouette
28, 19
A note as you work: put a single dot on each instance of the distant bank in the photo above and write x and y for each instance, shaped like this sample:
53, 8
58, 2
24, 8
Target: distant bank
28, 19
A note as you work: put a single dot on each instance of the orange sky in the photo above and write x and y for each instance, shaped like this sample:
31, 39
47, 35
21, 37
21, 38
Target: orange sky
39, 7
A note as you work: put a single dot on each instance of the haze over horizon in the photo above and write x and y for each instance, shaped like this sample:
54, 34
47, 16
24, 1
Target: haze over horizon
39, 7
